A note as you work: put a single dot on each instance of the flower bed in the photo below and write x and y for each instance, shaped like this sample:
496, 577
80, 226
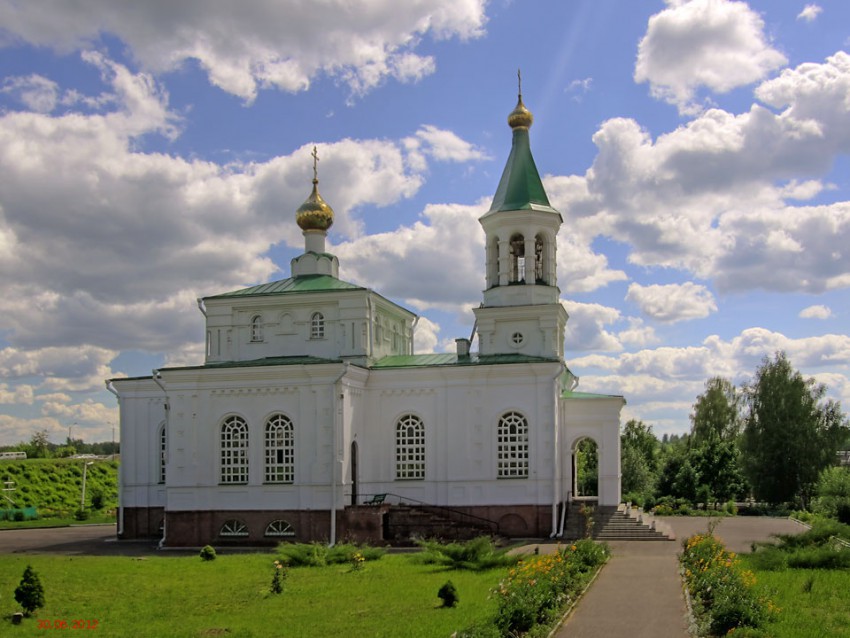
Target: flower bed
723, 594
540, 588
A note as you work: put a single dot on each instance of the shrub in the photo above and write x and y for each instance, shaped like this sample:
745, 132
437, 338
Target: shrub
81, 515
30, 593
318, 554
448, 594
477, 554
207, 553
97, 499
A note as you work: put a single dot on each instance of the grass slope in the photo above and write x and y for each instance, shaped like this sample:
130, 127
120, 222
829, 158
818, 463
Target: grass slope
54, 486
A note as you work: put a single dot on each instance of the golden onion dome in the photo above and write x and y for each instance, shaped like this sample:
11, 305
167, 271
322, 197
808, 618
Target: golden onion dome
520, 117
315, 213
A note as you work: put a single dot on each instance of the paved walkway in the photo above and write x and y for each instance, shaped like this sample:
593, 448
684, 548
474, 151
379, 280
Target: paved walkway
638, 594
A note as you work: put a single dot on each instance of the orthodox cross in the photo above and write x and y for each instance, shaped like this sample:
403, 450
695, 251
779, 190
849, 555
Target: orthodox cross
315, 155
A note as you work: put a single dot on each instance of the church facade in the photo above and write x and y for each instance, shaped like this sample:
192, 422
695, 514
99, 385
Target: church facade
312, 418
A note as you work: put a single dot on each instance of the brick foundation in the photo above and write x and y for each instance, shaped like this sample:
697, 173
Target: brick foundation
360, 524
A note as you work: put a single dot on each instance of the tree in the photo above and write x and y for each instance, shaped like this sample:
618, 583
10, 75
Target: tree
713, 450
717, 412
791, 433
638, 460
39, 445
30, 593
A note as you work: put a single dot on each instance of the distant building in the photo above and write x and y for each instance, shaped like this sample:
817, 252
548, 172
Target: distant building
311, 401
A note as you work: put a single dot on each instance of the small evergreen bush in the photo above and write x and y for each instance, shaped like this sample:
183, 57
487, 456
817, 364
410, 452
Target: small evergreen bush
448, 594
30, 593
207, 553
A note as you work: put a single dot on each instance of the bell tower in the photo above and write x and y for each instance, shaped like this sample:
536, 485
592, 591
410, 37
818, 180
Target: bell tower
521, 312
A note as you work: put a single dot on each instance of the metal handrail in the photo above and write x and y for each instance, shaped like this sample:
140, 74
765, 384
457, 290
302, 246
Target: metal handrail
443, 508
840, 541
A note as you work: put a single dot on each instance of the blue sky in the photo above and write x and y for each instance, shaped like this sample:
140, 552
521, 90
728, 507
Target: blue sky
150, 154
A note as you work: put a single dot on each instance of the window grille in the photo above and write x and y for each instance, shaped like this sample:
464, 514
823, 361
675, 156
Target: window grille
317, 326
257, 328
234, 450
410, 448
279, 528
233, 528
513, 446
280, 450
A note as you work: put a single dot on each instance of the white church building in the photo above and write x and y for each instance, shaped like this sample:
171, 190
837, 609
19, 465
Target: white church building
313, 419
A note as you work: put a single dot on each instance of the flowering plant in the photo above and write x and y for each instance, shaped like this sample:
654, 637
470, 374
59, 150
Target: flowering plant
724, 594
538, 588
278, 577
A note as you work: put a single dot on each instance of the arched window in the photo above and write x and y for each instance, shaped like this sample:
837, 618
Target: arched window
279, 528
163, 449
256, 328
234, 450
232, 528
280, 450
410, 448
540, 274
517, 256
512, 446
317, 326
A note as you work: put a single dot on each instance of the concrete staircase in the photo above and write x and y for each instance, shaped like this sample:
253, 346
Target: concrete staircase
623, 523
631, 524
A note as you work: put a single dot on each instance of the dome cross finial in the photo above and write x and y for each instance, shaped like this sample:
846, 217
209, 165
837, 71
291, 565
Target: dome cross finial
519, 82
315, 155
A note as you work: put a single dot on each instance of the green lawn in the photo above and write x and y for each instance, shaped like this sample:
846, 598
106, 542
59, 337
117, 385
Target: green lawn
163, 596
814, 603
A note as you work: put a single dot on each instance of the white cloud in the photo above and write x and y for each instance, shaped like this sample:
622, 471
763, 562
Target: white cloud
717, 44
673, 302
445, 145
810, 13
447, 272
586, 328
718, 196
638, 334
17, 394
36, 92
426, 337
66, 368
815, 312
269, 44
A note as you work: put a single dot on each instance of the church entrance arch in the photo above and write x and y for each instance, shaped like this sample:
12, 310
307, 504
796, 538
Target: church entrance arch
585, 456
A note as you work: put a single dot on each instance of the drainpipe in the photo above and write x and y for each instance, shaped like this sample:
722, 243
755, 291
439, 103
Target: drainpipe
157, 378
201, 306
334, 460
556, 484
112, 390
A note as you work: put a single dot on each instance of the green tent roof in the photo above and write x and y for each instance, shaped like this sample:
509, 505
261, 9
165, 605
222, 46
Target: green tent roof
304, 283
520, 187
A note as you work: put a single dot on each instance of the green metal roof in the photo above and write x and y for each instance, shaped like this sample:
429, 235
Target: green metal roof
520, 187
304, 283
267, 361
451, 359
588, 395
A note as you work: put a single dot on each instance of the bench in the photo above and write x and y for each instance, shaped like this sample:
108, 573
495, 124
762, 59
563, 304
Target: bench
377, 499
